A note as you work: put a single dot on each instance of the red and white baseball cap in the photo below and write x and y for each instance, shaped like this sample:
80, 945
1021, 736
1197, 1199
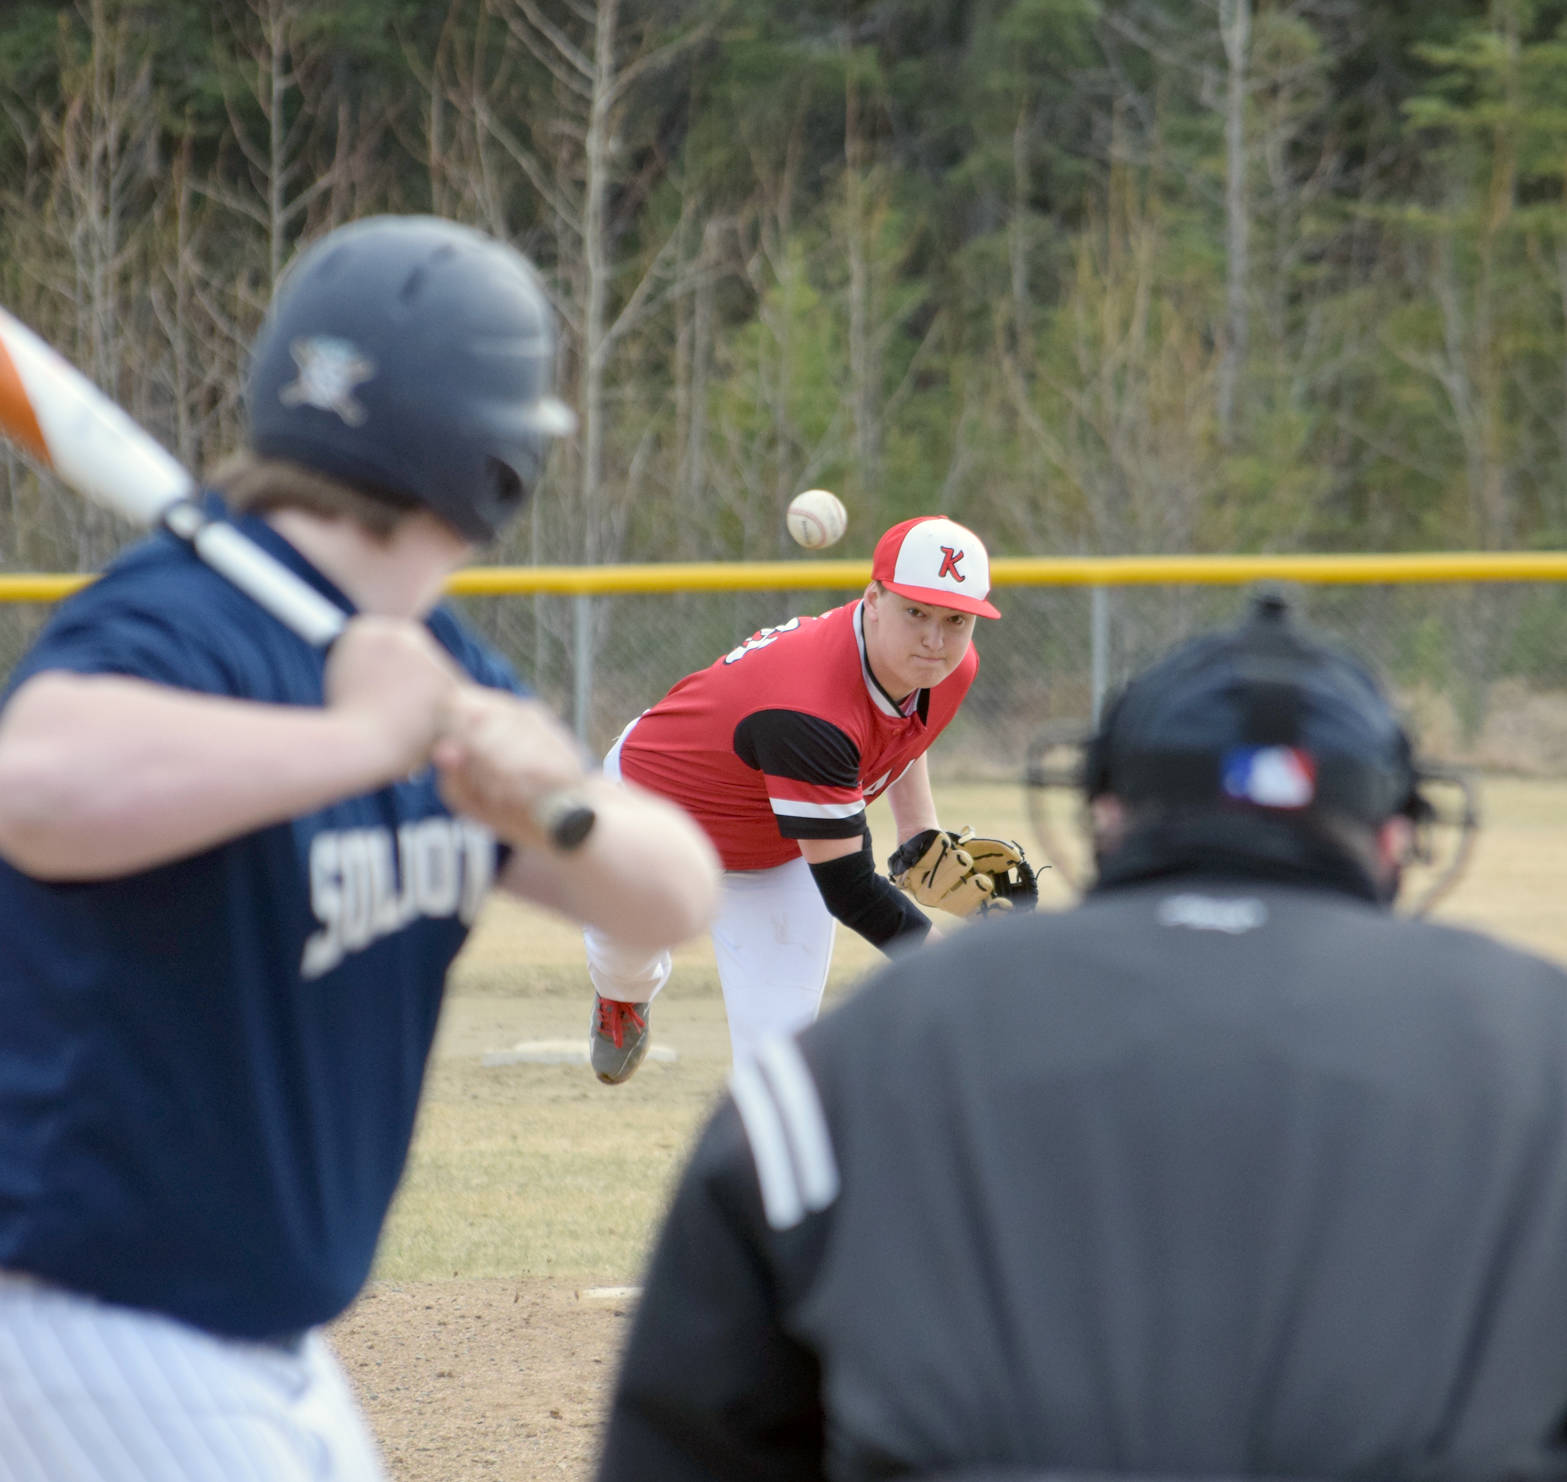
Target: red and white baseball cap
937, 561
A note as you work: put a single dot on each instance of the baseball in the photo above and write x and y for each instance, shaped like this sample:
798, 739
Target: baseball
816, 518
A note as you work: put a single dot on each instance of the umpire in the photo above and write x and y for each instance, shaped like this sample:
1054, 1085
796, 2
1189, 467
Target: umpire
1226, 1171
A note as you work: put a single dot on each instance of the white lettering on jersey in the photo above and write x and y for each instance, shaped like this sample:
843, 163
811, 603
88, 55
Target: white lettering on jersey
875, 789
364, 886
1208, 913
760, 639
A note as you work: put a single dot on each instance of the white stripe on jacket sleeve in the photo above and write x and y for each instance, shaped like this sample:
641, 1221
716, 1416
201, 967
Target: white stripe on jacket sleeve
787, 1131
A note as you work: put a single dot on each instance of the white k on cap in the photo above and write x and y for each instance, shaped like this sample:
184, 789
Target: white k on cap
935, 560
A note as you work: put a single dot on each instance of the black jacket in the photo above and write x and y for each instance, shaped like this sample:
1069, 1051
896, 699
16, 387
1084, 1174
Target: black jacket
1200, 1177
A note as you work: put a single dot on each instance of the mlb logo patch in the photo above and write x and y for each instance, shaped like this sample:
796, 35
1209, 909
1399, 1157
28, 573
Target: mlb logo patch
1269, 776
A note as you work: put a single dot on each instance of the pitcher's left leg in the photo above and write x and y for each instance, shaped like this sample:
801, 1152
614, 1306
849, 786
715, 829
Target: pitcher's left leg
773, 941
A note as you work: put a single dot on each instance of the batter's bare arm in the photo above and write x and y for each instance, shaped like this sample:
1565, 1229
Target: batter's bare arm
645, 872
102, 775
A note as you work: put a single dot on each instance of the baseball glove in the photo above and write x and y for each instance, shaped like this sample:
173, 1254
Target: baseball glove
1013, 886
942, 869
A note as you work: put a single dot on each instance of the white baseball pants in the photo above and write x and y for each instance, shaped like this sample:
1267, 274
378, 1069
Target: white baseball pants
91, 1392
772, 937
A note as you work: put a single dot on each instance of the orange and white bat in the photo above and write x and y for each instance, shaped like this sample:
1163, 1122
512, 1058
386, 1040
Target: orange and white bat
53, 411
50, 409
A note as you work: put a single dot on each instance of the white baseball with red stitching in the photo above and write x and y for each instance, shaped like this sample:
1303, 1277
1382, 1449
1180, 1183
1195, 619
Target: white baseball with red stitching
817, 518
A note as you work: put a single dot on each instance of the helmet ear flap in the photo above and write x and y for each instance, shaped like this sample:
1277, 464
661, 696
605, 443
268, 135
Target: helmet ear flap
508, 495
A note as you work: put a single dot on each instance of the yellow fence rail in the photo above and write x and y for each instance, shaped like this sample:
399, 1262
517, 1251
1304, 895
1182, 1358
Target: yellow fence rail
1052, 571
580, 657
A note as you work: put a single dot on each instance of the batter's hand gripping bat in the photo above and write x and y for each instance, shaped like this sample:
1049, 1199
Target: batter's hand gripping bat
57, 415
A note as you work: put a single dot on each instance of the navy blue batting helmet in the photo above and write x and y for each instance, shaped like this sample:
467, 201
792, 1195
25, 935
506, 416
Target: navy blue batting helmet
1264, 716
414, 358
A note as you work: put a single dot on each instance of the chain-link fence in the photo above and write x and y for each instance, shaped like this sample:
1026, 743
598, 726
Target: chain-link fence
19, 622
1480, 666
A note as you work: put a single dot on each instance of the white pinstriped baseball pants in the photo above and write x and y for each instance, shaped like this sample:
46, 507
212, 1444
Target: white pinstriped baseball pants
772, 939
91, 1392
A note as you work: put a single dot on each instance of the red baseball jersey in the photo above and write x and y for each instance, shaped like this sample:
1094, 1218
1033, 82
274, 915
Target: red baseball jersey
786, 737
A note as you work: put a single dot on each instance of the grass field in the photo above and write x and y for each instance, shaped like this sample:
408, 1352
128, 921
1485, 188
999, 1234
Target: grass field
535, 1170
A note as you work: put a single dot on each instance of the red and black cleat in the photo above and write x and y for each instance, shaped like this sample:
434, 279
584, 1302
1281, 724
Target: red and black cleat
617, 1039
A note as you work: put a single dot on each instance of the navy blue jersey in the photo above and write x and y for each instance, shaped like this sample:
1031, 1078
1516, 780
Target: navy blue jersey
209, 1070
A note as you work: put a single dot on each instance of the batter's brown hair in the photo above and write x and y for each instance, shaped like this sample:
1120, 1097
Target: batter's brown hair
253, 485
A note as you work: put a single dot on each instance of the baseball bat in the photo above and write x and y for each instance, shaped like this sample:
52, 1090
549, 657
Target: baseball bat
56, 414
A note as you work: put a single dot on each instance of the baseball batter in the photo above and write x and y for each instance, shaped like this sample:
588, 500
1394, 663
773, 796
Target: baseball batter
234, 871
776, 749
1227, 1172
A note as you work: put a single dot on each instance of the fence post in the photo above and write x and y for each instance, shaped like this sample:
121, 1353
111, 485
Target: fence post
582, 663
1099, 646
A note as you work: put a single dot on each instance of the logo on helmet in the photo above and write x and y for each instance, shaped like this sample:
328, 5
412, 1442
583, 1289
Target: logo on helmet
329, 371
1269, 776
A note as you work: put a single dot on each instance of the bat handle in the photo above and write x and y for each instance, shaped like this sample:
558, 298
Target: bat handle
565, 818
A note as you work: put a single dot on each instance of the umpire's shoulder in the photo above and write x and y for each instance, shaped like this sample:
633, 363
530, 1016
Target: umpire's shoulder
992, 979
1469, 959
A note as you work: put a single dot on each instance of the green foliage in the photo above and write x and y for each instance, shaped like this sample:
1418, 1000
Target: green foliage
969, 255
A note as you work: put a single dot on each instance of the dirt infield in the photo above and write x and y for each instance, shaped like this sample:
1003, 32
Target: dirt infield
495, 1379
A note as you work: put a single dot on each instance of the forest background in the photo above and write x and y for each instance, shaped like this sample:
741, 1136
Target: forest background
1094, 276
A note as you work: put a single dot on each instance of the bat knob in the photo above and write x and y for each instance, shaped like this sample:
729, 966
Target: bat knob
566, 819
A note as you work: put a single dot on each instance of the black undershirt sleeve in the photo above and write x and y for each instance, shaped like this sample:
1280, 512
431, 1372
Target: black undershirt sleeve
869, 903
803, 748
